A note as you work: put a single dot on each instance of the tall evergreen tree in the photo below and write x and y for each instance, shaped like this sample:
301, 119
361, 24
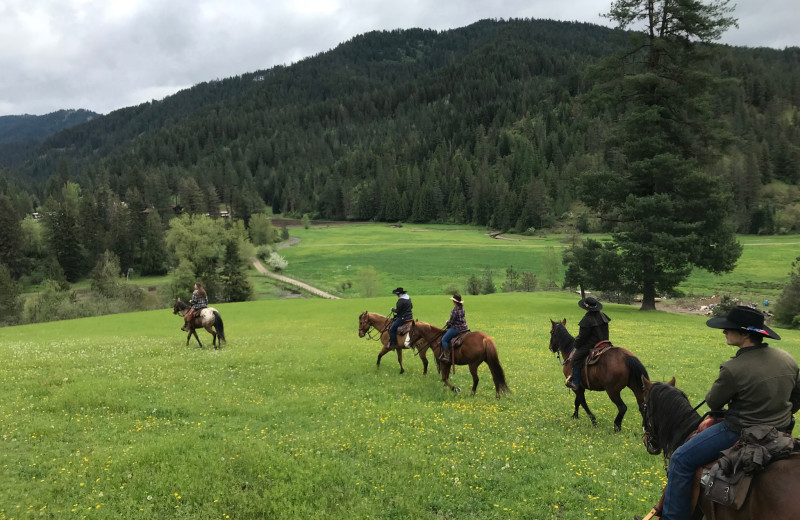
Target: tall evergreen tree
10, 237
668, 213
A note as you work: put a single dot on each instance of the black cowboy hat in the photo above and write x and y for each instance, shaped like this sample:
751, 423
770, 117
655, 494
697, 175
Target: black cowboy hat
744, 319
590, 304
399, 291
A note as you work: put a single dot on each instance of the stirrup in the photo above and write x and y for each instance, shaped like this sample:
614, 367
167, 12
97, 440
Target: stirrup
652, 515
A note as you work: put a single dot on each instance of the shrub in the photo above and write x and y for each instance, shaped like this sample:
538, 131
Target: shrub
726, 303
276, 262
487, 283
473, 285
787, 308
529, 282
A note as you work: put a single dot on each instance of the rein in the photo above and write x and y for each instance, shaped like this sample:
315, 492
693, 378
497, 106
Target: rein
380, 331
563, 345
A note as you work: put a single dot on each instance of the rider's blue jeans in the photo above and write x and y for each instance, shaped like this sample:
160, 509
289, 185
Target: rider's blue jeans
448, 335
700, 449
393, 330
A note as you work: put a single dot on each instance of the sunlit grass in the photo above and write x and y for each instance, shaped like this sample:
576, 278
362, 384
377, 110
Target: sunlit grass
115, 417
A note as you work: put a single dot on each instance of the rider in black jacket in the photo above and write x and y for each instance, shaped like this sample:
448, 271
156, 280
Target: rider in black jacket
402, 312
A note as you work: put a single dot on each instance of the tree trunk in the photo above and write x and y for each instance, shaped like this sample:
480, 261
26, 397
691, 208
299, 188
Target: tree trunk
648, 296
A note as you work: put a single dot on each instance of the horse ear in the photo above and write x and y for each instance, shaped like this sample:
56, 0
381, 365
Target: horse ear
646, 384
671, 382
564, 321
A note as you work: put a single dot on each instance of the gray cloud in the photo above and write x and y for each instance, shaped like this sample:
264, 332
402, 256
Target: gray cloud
106, 55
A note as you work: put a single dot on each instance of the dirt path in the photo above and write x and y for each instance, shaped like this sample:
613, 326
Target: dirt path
285, 279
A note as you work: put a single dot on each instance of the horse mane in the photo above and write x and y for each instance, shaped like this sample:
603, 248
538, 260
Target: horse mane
563, 338
673, 417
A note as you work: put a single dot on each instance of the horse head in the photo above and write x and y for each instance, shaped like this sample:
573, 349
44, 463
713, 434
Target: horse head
668, 417
178, 306
363, 324
558, 331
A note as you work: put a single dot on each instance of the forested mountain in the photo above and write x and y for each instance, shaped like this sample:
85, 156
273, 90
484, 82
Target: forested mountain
484, 124
20, 133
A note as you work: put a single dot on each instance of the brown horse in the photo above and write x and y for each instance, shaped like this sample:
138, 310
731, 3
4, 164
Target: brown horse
668, 422
207, 318
615, 369
476, 348
370, 320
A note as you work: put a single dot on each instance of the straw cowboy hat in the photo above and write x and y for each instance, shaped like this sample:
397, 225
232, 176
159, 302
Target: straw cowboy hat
457, 298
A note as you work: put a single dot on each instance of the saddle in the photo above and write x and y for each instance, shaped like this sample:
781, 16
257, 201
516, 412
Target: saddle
405, 327
727, 480
598, 350
459, 339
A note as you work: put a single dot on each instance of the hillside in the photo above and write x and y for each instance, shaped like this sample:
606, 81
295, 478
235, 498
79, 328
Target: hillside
18, 134
484, 124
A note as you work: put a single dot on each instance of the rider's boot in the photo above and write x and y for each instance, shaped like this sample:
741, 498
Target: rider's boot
575, 382
445, 355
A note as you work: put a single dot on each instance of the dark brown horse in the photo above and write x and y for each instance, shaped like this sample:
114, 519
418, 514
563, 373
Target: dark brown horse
670, 419
476, 348
370, 320
207, 318
614, 370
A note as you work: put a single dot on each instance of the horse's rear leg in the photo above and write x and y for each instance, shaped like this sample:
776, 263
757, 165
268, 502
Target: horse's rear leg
473, 369
621, 408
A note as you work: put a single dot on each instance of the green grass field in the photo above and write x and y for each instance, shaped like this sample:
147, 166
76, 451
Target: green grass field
427, 259
115, 418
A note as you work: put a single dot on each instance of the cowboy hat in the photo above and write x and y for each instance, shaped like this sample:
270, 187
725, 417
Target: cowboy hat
745, 319
457, 298
399, 291
590, 304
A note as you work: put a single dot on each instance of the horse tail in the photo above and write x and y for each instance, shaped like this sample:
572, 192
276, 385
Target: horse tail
635, 371
498, 375
219, 326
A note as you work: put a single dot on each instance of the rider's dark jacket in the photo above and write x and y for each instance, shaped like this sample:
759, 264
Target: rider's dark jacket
403, 308
760, 385
593, 329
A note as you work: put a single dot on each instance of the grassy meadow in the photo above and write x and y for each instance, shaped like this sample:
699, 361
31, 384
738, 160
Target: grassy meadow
115, 417
428, 259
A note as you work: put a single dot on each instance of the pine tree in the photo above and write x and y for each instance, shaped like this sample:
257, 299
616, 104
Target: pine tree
668, 212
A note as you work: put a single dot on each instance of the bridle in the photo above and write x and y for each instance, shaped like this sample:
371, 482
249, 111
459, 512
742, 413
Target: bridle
648, 428
370, 326
553, 347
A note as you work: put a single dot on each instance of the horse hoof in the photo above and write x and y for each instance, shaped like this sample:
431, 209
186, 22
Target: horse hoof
457, 390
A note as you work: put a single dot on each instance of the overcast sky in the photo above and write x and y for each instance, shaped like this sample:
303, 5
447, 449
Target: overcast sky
102, 55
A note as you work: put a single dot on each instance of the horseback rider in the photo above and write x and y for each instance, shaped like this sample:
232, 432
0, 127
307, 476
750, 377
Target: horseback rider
455, 325
759, 384
199, 301
402, 312
593, 330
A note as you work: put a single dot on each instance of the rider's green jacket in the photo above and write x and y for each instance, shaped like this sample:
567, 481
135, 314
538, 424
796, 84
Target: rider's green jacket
760, 385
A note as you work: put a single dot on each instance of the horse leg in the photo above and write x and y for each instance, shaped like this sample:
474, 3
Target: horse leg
383, 351
473, 369
399, 350
613, 394
194, 331
580, 400
213, 336
424, 359
446, 377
